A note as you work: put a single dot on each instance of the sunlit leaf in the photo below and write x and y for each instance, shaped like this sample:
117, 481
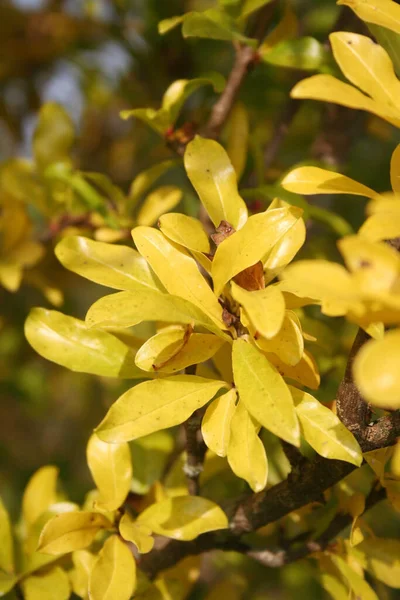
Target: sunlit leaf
137, 533
113, 576
39, 494
285, 250
154, 405
184, 517
305, 372
313, 180
6, 541
381, 12
158, 202
381, 226
118, 267
264, 308
216, 423
71, 531
51, 585
376, 371
199, 348
162, 347
288, 343
177, 270
168, 24
68, 342
383, 559
184, 230
111, 469
264, 393
214, 24
214, 179
302, 53
246, 453
324, 431
251, 243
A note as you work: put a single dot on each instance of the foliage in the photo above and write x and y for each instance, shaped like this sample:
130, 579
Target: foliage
226, 321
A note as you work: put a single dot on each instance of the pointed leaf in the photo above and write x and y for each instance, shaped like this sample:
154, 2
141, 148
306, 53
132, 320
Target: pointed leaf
137, 533
126, 309
71, 531
51, 585
251, 243
305, 372
214, 24
381, 12
168, 24
264, 393
376, 371
246, 453
157, 203
117, 267
111, 469
213, 177
180, 90
313, 180
6, 541
184, 230
288, 343
177, 270
154, 405
264, 308
216, 423
184, 517
197, 350
113, 576
162, 347
68, 342
39, 494
301, 53
324, 431
285, 250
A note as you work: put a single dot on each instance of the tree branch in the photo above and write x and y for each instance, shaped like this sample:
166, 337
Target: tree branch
195, 451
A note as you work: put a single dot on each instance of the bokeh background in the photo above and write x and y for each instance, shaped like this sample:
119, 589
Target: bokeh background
95, 58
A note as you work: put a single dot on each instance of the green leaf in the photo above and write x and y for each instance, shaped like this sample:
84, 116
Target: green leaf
216, 423
324, 431
39, 494
71, 531
214, 24
137, 533
53, 136
154, 405
184, 517
168, 24
210, 171
390, 41
357, 583
264, 393
111, 469
250, 6
51, 585
157, 203
301, 53
184, 230
6, 541
264, 308
113, 576
68, 342
251, 243
150, 455
144, 181
383, 559
246, 453
118, 267
126, 309
177, 271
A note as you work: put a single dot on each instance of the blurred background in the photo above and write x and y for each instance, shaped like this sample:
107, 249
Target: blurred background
96, 58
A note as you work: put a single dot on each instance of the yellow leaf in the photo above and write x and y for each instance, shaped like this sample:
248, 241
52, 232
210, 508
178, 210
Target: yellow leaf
216, 423
330, 89
51, 585
184, 230
264, 393
238, 138
214, 179
150, 455
177, 270
357, 583
246, 453
395, 170
184, 517
39, 494
7, 582
264, 308
285, 250
377, 460
118, 267
383, 559
324, 431
146, 178
367, 65
305, 372
137, 533
288, 343
113, 576
376, 371
126, 309
157, 203
154, 405
68, 342
111, 469
382, 226
71, 531
10, 276
223, 363
6, 541
162, 347
83, 562
395, 462
313, 180
381, 12
199, 348
250, 244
